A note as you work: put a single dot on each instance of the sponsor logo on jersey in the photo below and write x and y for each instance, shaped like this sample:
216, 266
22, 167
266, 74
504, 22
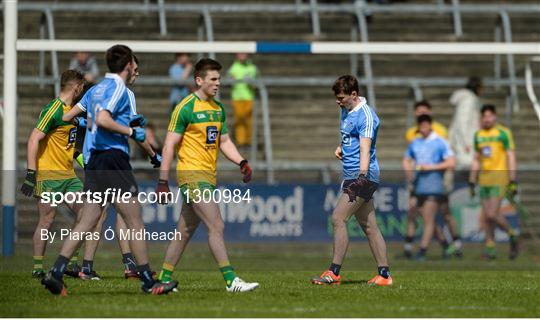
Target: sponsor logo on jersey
72, 137
211, 134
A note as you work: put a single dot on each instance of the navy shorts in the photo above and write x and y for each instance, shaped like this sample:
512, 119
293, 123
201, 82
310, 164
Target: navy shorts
110, 169
439, 198
365, 192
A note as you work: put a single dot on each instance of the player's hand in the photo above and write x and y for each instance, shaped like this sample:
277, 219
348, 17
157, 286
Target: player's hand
29, 183
339, 153
512, 190
81, 122
156, 160
138, 134
163, 192
410, 188
246, 171
472, 189
353, 189
138, 121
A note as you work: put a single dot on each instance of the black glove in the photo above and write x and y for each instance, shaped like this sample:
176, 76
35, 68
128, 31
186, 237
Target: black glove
156, 160
138, 121
472, 189
353, 190
29, 183
512, 190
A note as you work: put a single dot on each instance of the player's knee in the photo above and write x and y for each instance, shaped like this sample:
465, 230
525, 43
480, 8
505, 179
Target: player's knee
216, 228
338, 222
46, 222
490, 216
366, 227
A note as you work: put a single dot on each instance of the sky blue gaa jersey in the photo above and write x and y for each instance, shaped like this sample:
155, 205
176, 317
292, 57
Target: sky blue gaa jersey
84, 103
360, 122
110, 94
430, 150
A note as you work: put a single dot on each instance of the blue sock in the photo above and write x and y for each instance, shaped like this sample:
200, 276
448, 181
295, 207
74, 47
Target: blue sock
59, 267
335, 268
146, 275
129, 261
87, 266
384, 272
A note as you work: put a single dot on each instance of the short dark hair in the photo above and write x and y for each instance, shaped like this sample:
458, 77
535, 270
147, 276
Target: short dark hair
474, 84
424, 118
346, 84
204, 65
424, 103
488, 107
70, 77
118, 57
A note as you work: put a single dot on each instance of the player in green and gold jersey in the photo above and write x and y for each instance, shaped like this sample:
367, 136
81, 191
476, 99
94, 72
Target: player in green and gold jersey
51, 148
494, 168
198, 131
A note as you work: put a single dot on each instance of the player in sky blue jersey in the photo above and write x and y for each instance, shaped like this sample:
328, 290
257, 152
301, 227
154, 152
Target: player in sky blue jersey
430, 156
130, 272
359, 126
108, 168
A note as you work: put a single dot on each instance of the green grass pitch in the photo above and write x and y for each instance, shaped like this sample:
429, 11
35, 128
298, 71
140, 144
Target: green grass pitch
469, 287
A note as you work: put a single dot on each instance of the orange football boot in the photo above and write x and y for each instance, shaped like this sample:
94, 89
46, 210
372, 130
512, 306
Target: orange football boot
327, 277
380, 281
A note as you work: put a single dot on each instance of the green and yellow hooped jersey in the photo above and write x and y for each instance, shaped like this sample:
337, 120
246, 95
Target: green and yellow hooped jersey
492, 144
201, 123
55, 153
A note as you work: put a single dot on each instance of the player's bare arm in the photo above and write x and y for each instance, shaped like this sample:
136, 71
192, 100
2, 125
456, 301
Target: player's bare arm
448, 164
147, 148
512, 164
228, 148
104, 120
71, 114
365, 146
408, 167
172, 140
475, 167
32, 149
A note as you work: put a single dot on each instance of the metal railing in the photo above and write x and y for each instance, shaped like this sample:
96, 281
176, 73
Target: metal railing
529, 79
359, 9
269, 164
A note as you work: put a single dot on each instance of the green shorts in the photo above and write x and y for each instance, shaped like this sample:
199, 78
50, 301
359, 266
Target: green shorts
194, 192
487, 192
62, 186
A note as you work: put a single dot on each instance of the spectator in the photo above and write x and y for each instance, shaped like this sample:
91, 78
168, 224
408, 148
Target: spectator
243, 95
87, 65
466, 121
180, 71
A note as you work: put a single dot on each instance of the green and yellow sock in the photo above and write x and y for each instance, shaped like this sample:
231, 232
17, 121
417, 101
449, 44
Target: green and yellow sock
228, 272
74, 259
166, 272
511, 232
490, 249
38, 263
